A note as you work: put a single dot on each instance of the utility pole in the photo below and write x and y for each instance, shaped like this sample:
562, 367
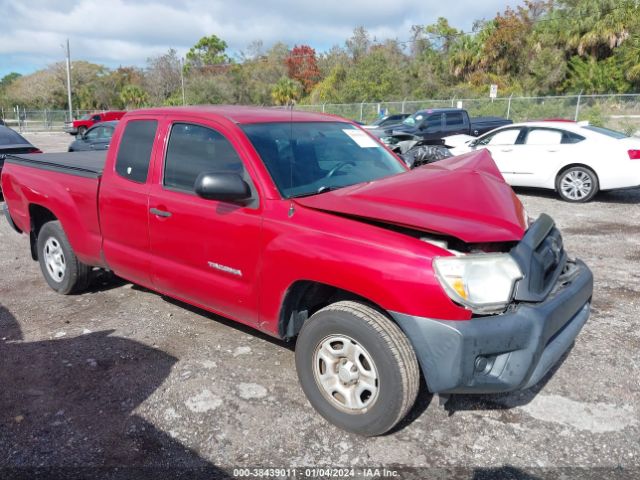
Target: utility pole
182, 79
69, 81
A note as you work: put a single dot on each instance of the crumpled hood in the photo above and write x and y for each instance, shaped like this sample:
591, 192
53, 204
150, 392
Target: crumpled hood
463, 197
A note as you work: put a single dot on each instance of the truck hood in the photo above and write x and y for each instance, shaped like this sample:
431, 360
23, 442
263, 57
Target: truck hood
464, 197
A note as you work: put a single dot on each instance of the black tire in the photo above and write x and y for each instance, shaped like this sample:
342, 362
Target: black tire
583, 176
393, 361
75, 275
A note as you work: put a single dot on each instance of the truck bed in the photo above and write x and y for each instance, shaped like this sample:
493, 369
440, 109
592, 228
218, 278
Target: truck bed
83, 164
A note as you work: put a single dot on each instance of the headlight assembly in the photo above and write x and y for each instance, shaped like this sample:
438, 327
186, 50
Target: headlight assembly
482, 282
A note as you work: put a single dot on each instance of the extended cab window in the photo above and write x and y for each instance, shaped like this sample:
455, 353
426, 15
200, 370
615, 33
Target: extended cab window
193, 150
135, 148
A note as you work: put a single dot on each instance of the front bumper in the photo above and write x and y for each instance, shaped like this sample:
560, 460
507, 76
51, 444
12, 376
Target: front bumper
506, 352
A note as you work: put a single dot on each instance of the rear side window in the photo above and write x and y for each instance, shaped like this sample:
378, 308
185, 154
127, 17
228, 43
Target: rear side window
135, 148
193, 150
454, 119
570, 137
9, 137
544, 137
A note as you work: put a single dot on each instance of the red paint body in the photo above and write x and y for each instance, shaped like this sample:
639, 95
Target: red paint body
327, 238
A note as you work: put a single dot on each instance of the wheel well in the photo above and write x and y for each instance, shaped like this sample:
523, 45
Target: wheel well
304, 298
39, 216
571, 165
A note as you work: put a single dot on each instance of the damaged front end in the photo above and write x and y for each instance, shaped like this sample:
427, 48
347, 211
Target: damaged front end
528, 308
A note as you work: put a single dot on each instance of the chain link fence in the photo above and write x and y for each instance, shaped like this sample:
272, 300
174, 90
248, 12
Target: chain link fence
620, 112
24, 120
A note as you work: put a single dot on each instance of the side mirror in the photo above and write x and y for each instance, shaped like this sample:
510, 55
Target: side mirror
227, 187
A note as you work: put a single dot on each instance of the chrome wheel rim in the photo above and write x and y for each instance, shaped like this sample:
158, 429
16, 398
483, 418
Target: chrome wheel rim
576, 184
54, 259
346, 374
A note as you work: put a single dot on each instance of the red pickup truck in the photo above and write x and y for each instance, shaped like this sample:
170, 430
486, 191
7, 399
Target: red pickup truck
78, 127
305, 227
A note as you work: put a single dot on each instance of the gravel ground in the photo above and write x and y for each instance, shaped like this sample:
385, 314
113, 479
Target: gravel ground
121, 376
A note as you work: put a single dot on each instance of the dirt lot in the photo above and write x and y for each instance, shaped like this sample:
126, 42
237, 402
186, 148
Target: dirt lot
121, 376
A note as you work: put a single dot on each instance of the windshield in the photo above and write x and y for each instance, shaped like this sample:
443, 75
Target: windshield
86, 116
309, 158
606, 131
414, 119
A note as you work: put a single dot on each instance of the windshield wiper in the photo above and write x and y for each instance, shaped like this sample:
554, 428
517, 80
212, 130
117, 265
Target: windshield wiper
322, 189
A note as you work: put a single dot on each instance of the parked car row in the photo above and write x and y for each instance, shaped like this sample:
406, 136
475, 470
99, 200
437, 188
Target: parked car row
80, 126
432, 125
96, 137
577, 160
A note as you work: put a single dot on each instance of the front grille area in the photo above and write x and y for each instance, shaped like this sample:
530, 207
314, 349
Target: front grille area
541, 257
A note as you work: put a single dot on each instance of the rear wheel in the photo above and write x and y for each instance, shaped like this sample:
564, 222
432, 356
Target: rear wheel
61, 268
357, 368
577, 184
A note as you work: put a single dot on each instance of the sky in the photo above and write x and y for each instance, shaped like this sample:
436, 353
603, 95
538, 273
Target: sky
127, 32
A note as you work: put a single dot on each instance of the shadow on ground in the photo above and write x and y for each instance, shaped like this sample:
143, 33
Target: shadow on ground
69, 403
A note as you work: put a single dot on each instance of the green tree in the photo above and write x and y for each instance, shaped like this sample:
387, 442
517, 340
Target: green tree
133, 96
207, 52
286, 91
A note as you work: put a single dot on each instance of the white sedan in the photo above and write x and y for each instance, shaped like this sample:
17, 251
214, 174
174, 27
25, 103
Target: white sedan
575, 159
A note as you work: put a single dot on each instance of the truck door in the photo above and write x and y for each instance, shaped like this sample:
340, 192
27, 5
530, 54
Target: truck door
431, 128
123, 202
454, 124
204, 251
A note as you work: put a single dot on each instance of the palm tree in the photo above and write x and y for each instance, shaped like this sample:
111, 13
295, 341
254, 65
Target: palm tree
286, 91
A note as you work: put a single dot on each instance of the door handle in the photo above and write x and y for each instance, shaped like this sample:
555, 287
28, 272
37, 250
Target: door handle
160, 213
553, 150
92, 146
507, 150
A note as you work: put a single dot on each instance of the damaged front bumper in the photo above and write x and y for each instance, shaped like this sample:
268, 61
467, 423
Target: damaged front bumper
506, 352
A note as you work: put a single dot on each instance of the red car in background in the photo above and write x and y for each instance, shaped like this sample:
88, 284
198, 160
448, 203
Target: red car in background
80, 126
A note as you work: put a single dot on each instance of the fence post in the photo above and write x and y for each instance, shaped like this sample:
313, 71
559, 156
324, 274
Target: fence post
453, 100
509, 106
361, 110
323, 107
404, 100
578, 106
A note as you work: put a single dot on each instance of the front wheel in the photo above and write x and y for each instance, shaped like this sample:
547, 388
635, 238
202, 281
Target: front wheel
61, 268
577, 184
357, 368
